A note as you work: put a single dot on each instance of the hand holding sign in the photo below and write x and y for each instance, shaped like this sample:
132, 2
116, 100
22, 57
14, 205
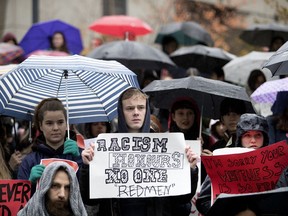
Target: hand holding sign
36, 172
88, 154
191, 156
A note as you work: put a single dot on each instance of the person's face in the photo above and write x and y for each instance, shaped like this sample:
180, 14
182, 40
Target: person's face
246, 212
184, 118
170, 47
54, 128
276, 44
134, 110
97, 128
230, 121
220, 129
58, 194
58, 40
259, 81
252, 139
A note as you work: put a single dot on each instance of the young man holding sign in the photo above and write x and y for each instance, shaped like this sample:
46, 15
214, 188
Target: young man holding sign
134, 117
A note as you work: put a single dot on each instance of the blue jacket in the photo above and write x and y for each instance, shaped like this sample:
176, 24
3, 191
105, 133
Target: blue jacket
40, 151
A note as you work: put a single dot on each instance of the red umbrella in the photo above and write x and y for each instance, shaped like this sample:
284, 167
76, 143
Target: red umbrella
9, 52
120, 25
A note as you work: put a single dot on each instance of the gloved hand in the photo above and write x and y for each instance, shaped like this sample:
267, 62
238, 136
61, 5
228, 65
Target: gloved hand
36, 172
71, 147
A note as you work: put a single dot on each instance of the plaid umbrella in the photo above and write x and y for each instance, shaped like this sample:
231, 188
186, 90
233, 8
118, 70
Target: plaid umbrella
88, 87
267, 92
9, 52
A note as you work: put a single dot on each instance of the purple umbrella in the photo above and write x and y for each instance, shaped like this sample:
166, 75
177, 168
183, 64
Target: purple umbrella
267, 92
37, 37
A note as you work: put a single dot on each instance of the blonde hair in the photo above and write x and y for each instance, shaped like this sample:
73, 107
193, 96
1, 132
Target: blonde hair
4, 170
133, 92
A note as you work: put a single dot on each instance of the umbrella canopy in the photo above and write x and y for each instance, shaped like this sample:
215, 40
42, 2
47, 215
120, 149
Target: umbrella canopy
186, 33
207, 93
9, 52
132, 54
120, 25
5, 68
201, 57
267, 92
263, 34
48, 53
278, 62
39, 34
271, 202
88, 87
239, 68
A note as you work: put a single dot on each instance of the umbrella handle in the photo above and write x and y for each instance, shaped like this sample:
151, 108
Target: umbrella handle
67, 106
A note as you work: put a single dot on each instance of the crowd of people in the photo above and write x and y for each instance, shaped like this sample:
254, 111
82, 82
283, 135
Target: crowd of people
70, 190
63, 191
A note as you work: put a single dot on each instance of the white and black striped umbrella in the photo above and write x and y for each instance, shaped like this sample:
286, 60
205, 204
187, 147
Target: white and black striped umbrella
89, 88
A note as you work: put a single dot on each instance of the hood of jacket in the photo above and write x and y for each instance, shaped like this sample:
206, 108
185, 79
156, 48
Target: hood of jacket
249, 121
36, 205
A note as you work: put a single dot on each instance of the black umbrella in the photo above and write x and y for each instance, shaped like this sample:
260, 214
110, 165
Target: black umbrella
263, 34
278, 62
134, 55
273, 202
186, 33
206, 92
201, 57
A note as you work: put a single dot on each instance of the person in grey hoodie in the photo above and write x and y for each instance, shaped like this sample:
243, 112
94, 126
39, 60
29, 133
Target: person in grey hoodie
58, 193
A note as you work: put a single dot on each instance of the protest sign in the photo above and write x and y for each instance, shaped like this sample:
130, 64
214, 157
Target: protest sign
14, 194
253, 171
47, 161
139, 165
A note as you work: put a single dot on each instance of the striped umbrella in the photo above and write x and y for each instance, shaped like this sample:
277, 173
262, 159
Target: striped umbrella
89, 88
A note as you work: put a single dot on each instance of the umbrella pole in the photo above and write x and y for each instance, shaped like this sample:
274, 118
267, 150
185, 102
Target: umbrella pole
200, 126
67, 106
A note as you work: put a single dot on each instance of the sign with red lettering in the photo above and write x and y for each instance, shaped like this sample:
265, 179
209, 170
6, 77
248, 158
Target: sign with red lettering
14, 194
254, 171
139, 165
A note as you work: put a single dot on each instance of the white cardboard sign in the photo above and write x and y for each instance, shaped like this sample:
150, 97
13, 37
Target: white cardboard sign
139, 165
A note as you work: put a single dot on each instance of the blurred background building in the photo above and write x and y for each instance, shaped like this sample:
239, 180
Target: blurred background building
16, 16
